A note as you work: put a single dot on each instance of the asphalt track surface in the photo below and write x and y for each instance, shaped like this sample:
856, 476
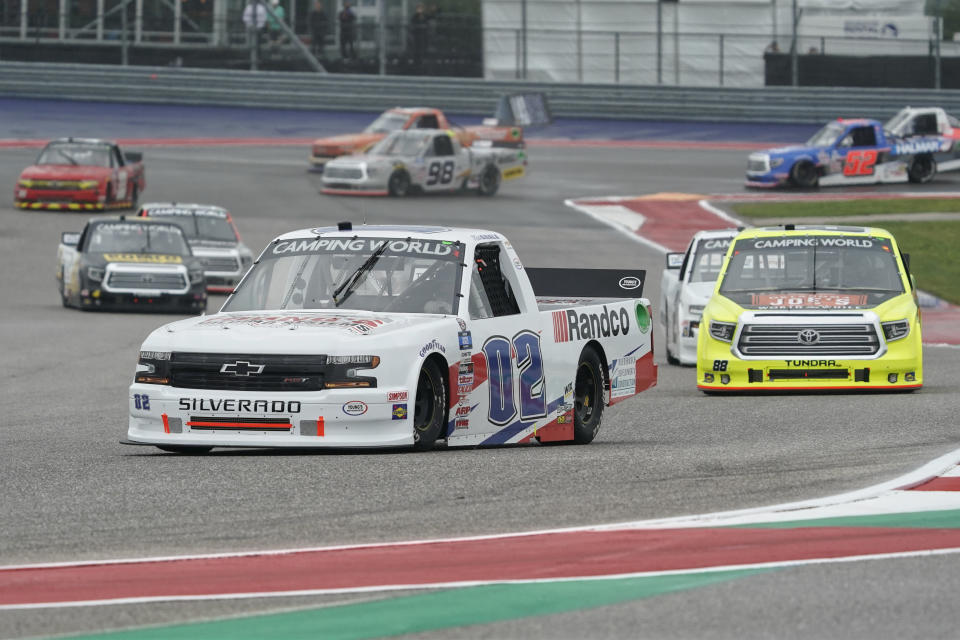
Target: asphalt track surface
69, 491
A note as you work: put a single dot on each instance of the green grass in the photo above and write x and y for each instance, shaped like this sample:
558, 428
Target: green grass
818, 208
934, 259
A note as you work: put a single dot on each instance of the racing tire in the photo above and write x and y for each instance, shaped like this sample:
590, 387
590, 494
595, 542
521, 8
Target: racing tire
922, 169
588, 389
429, 409
672, 359
185, 449
489, 181
804, 174
399, 184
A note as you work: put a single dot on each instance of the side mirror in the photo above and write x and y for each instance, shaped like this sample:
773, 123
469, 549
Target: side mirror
674, 260
133, 156
70, 238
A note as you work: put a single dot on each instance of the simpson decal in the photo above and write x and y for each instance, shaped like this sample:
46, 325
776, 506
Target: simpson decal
397, 396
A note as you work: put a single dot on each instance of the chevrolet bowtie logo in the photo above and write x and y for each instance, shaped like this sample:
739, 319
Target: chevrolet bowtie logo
242, 368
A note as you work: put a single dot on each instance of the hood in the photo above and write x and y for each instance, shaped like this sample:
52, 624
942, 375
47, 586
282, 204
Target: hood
812, 300
790, 151
698, 292
297, 332
213, 247
64, 172
138, 258
349, 142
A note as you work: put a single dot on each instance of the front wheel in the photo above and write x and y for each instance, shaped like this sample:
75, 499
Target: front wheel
399, 184
588, 397
429, 410
922, 169
489, 181
804, 174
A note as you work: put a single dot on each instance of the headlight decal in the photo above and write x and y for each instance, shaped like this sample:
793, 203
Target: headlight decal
896, 329
722, 331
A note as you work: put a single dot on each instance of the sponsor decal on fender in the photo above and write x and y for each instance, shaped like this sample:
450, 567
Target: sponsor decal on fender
397, 396
433, 345
354, 408
466, 340
399, 412
569, 325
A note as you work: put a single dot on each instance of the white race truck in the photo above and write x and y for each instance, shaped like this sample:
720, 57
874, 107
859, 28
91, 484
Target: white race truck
685, 286
395, 336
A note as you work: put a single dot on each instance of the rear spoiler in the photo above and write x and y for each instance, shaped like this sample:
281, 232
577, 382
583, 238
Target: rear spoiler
587, 283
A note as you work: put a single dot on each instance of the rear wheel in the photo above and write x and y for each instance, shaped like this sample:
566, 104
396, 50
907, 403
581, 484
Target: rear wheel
804, 174
588, 397
184, 449
489, 181
429, 410
922, 169
399, 184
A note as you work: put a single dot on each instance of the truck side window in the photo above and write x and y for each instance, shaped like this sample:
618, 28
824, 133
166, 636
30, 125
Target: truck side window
925, 124
442, 146
500, 298
864, 137
428, 121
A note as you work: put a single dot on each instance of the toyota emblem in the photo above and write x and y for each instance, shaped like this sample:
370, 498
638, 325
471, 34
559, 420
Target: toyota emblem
808, 336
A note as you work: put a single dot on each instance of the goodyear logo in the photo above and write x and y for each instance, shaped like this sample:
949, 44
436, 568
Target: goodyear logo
514, 172
140, 257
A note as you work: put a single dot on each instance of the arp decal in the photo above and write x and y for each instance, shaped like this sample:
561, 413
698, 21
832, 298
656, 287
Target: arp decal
399, 412
354, 408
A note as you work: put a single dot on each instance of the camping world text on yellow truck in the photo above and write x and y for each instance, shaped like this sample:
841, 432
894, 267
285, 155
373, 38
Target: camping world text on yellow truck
811, 307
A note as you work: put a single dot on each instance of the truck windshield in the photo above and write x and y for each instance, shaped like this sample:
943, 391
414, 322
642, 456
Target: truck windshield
134, 237
387, 122
200, 224
402, 143
812, 263
369, 274
708, 259
826, 136
73, 153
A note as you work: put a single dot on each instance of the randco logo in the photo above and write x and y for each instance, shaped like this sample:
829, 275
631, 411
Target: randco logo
355, 408
629, 282
569, 325
397, 396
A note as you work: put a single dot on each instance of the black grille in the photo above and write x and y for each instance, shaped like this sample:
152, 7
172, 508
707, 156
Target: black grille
220, 263
809, 374
776, 340
279, 372
144, 280
757, 165
343, 173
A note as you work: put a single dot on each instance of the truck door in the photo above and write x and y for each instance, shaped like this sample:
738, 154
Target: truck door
858, 151
441, 164
507, 345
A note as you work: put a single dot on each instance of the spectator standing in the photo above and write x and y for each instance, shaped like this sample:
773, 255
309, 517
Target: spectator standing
274, 21
348, 25
318, 28
254, 19
418, 34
